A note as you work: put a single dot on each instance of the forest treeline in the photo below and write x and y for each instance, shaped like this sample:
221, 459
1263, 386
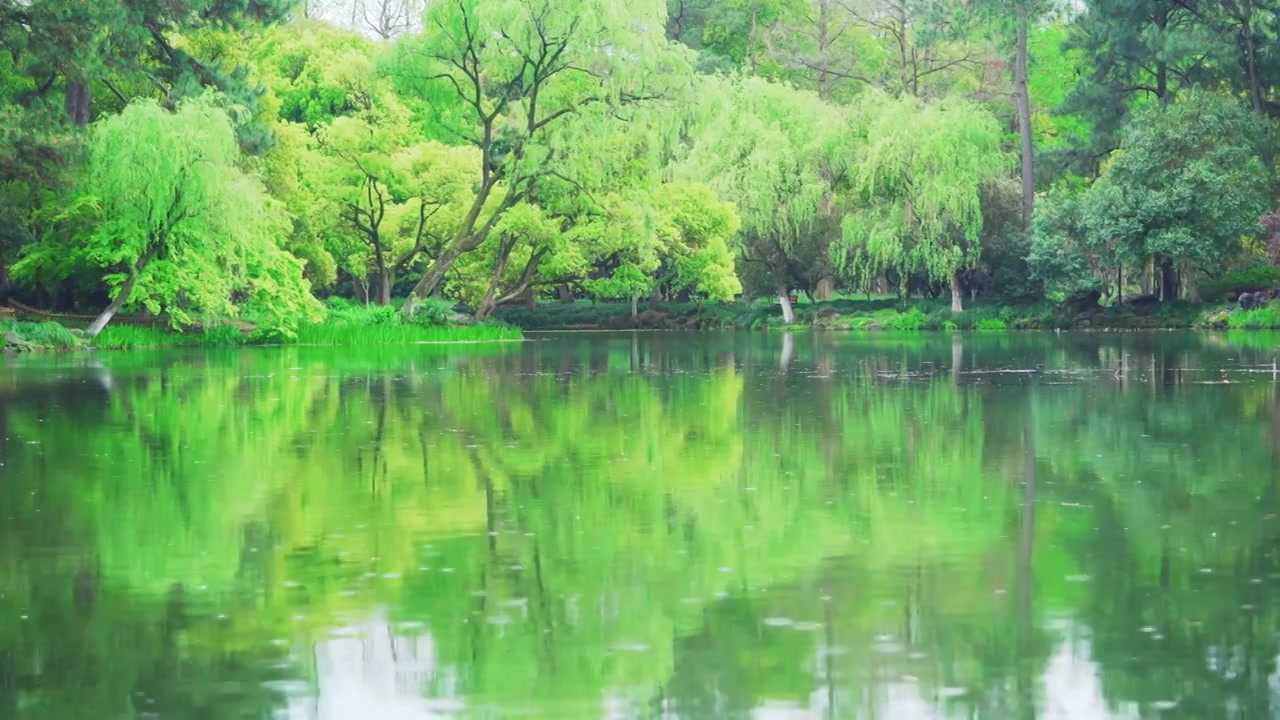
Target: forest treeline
243, 158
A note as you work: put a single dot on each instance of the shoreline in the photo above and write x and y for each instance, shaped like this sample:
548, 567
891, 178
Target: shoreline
517, 323
891, 314
18, 337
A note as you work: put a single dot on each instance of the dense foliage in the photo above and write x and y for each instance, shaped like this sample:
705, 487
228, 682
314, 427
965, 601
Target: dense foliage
498, 152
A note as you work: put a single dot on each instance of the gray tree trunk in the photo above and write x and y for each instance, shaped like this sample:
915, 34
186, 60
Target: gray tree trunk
431, 280
122, 297
788, 313
385, 279
1022, 93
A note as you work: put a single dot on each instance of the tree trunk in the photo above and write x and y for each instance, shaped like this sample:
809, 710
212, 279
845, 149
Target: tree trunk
1023, 95
487, 303
566, 293
826, 287
76, 101
434, 275
635, 306
122, 297
900, 34
788, 313
1251, 55
957, 293
360, 288
386, 279
1168, 280
824, 50
486, 306
881, 284
1190, 288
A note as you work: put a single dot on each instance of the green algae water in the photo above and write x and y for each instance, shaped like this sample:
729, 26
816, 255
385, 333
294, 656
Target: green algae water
646, 526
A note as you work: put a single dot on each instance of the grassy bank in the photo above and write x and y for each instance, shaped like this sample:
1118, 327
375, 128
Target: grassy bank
878, 314
347, 325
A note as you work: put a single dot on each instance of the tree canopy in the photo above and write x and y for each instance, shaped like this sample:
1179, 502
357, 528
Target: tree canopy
515, 151
173, 223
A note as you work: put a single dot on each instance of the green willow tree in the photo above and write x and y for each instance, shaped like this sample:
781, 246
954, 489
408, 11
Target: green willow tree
674, 243
505, 76
920, 179
781, 154
166, 213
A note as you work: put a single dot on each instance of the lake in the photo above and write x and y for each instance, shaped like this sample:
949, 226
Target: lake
650, 525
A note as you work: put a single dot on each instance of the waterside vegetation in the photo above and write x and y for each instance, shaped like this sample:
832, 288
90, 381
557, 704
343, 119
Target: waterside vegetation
986, 164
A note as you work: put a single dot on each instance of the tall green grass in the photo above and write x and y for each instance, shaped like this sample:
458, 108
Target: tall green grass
43, 334
350, 324
347, 324
399, 334
133, 337
125, 337
1263, 318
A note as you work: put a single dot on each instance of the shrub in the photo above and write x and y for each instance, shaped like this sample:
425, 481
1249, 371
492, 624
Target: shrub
45, 334
1218, 319
991, 324
353, 314
339, 304
912, 319
432, 312
1253, 278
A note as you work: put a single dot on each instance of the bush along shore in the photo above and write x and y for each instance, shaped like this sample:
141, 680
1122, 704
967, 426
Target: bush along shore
346, 324
1079, 313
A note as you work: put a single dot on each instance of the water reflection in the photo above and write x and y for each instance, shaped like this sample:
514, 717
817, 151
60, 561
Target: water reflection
648, 525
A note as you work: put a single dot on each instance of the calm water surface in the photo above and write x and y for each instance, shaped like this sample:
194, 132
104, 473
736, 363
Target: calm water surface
646, 526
